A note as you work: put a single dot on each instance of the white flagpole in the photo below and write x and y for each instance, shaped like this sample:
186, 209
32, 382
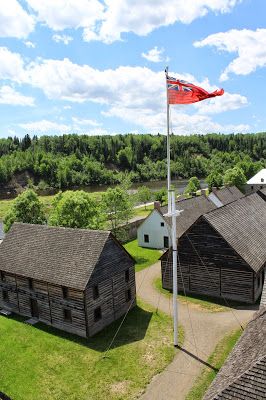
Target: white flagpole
172, 212
174, 247
168, 147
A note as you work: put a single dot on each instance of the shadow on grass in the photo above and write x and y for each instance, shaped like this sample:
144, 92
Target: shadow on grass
133, 329
141, 260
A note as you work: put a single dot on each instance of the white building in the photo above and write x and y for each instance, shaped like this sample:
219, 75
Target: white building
155, 231
257, 182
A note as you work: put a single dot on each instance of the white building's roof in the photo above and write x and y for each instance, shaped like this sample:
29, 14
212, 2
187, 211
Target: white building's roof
259, 178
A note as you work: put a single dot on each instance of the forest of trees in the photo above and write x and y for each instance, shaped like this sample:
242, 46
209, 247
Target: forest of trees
78, 160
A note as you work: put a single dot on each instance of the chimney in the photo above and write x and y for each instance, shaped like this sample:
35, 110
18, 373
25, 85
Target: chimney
214, 189
157, 206
203, 192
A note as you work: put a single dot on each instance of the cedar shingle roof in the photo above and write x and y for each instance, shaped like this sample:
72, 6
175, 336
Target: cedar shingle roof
192, 208
243, 376
243, 225
262, 193
62, 256
228, 194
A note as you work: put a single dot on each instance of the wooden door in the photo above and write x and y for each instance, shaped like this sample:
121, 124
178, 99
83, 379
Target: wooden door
34, 308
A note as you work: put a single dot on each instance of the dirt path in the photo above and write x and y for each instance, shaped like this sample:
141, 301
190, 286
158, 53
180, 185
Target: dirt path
208, 328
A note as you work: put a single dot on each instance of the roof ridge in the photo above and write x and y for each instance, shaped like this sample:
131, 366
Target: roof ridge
62, 227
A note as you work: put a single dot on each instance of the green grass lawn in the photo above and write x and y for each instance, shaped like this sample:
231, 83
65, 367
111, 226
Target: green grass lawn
203, 302
217, 359
144, 257
142, 212
46, 364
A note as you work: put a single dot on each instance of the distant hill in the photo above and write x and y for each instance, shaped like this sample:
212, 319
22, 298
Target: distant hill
72, 160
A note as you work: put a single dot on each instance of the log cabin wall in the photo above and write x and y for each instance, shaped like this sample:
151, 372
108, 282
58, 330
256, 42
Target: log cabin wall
225, 273
111, 289
49, 300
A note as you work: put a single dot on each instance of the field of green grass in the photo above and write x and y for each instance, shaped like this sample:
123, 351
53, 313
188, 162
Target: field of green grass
46, 364
203, 302
217, 359
144, 257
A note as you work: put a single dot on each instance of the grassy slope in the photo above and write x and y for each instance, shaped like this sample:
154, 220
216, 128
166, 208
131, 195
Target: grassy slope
45, 364
217, 359
201, 301
144, 257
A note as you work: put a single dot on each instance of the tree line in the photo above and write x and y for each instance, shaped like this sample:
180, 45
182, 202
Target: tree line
79, 160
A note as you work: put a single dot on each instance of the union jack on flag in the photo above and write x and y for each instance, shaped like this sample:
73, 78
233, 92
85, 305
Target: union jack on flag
182, 92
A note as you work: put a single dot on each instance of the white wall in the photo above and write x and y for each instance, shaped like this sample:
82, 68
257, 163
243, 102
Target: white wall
152, 227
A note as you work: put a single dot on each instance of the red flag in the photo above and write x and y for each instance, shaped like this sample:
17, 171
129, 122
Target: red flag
181, 92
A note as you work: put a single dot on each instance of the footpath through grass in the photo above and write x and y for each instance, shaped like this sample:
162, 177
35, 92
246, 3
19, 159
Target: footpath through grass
203, 302
217, 359
144, 257
46, 364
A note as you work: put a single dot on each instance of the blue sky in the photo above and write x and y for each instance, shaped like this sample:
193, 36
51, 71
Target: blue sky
96, 66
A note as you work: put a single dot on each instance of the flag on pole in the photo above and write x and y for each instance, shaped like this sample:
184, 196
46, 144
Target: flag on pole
182, 92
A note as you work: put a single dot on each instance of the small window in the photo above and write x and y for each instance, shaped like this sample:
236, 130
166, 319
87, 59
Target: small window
262, 180
261, 187
67, 315
97, 314
165, 242
162, 223
252, 187
5, 295
65, 292
146, 238
128, 295
127, 275
30, 284
95, 292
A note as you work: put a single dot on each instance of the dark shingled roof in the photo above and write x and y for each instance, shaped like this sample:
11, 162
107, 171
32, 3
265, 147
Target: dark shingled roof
262, 193
192, 208
243, 225
228, 194
62, 256
243, 376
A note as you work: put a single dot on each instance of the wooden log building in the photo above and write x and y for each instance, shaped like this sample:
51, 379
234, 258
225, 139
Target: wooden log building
76, 280
223, 254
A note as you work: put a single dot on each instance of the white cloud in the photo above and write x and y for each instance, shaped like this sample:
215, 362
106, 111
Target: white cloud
11, 65
14, 21
154, 55
86, 122
249, 45
63, 14
134, 94
62, 39
45, 126
29, 44
216, 105
108, 20
141, 18
9, 96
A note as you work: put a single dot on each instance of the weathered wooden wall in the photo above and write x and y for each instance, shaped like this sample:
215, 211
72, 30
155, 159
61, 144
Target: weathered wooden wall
51, 303
109, 275
209, 266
